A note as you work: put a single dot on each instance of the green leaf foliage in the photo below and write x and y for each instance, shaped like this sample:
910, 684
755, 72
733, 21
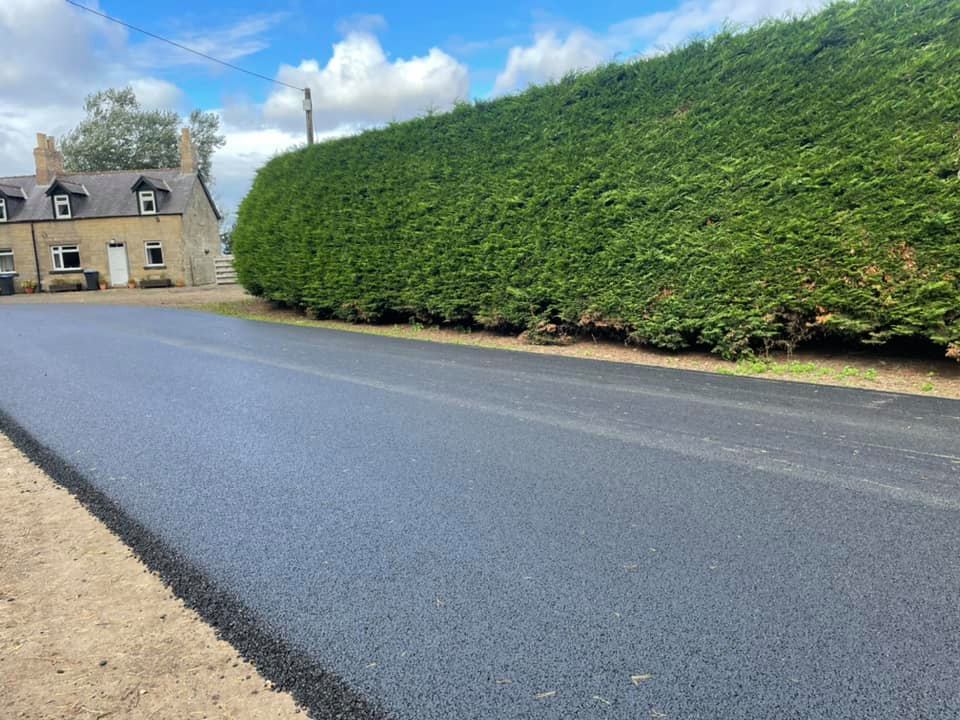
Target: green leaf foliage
117, 134
747, 191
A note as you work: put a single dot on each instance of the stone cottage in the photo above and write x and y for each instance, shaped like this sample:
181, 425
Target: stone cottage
153, 224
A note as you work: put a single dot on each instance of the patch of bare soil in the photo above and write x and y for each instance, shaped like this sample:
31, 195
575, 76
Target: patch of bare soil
936, 377
171, 297
87, 632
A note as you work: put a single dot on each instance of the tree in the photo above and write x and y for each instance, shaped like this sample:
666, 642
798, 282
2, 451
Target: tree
118, 134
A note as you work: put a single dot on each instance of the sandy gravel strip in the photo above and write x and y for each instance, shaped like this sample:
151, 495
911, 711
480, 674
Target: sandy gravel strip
89, 630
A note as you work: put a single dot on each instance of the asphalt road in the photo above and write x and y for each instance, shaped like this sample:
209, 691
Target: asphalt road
461, 533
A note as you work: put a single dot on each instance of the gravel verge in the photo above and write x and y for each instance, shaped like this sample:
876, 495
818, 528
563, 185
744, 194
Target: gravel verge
281, 667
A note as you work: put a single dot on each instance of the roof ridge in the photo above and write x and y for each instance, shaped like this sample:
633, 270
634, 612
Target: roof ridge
139, 171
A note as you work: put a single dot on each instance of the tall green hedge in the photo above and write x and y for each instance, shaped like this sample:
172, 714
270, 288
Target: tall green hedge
745, 191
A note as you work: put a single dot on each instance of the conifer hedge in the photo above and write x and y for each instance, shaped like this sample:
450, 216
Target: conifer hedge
740, 192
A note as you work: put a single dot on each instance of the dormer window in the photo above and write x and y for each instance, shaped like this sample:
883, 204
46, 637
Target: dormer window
61, 207
148, 202
3, 209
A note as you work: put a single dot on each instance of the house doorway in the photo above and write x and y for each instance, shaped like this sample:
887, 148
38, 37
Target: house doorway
117, 264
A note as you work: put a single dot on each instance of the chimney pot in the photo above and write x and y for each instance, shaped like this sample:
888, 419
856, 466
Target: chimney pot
188, 153
48, 160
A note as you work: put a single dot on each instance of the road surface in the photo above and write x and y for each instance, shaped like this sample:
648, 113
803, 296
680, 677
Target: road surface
466, 533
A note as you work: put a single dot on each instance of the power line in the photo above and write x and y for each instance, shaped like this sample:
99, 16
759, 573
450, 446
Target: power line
182, 47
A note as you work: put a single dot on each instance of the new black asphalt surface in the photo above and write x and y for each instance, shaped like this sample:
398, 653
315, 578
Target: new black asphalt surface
462, 533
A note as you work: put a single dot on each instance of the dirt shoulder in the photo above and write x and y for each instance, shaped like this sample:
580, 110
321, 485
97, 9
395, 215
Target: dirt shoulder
849, 369
170, 297
87, 632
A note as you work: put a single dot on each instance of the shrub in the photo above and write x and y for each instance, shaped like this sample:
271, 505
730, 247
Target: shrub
746, 192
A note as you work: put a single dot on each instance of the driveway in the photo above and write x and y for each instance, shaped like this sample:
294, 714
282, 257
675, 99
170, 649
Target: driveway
465, 533
171, 297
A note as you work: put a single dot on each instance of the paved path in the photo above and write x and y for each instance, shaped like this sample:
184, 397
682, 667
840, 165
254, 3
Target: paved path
461, 533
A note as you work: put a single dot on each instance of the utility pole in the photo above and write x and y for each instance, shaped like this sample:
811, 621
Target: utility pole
308, 109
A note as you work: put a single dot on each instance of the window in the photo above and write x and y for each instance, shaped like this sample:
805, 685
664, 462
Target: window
148, 202
6, 261
3, 209
61, 207
154, 254
66, 257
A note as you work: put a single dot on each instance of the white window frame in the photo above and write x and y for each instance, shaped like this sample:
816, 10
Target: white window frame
153, 244
3, 209
59, 203
149, 196
8, 252
57, 252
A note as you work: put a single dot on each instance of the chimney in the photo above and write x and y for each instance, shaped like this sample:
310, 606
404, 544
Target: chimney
48, 159
188, 153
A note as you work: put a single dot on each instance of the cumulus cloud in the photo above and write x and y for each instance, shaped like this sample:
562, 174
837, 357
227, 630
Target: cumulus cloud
552, 54
550, 58
52, 59
360, 83
247, 149
57, 55
43, 84
664, 30
156, 94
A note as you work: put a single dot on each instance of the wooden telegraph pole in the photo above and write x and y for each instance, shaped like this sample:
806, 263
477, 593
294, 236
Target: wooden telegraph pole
308, 109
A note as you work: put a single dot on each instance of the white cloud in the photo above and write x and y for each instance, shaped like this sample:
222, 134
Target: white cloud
43, 84
234, 41
362, 23
552, 54
361, 84
549, 59
247, 149
56, 55
52, 59
359, 87
664, 30
156, 94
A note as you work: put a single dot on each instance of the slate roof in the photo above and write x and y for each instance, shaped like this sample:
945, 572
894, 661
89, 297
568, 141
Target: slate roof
12, 191
108, 194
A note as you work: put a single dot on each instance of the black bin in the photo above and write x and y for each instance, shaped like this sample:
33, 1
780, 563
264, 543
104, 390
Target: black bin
6, 285
93, 279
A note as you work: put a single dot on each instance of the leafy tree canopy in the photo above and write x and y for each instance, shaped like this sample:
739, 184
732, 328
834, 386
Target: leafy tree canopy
118, 134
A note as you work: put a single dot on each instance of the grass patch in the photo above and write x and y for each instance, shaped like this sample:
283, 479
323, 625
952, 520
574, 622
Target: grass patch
762, 367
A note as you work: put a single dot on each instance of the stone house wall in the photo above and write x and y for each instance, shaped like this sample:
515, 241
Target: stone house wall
201, 239
93, 236
190, 243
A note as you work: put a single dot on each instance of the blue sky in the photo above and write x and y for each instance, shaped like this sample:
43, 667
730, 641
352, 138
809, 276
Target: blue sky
366, 63
480, 34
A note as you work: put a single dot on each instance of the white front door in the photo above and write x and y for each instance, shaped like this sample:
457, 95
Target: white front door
117, 260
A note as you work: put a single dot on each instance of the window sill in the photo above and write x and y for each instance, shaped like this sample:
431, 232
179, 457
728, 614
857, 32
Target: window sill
77, 271
154, 267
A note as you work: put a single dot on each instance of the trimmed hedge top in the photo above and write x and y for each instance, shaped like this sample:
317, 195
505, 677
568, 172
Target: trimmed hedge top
741, 192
